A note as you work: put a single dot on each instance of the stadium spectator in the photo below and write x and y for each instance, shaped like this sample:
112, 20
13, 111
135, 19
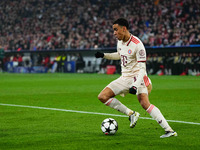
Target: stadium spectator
1, 59
19, 60
80, 63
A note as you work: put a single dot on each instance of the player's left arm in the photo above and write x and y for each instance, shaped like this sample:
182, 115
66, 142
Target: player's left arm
141, 59
141, 74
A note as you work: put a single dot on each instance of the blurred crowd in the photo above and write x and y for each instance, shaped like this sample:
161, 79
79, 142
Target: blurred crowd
83, 24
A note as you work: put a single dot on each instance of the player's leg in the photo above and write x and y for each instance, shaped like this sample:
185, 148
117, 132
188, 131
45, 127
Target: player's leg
107, 97
116, 87
155, 114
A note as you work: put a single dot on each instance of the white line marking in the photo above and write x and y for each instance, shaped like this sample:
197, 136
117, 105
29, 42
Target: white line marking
94, 113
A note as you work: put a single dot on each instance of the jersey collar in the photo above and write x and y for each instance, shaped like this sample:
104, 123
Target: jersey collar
128, 42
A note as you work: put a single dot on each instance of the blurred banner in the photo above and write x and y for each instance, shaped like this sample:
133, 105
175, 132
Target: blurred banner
36, 69
70, 67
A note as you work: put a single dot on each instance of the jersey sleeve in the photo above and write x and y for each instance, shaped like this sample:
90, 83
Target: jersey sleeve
140, 52
112, 56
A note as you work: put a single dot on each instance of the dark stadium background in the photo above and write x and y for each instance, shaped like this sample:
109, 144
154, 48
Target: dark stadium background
63, 35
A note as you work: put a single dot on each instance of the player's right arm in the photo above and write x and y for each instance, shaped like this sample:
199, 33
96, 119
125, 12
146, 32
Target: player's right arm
111, 56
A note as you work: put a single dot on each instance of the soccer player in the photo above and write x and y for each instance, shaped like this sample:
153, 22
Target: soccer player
133, 79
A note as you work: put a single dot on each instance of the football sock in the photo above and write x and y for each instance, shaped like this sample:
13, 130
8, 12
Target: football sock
116, 104
157, 115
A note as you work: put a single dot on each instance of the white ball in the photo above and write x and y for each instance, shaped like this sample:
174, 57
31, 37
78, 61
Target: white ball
109, 126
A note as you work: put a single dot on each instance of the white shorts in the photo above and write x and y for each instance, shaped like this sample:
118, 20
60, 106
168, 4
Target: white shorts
121, 85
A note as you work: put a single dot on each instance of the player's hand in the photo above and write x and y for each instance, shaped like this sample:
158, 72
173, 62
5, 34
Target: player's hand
133, 90
99, 55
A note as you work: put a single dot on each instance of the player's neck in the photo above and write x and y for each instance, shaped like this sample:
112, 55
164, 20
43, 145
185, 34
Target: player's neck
126, 37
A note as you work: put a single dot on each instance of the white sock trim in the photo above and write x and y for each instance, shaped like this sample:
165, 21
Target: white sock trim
150, 108
109, 101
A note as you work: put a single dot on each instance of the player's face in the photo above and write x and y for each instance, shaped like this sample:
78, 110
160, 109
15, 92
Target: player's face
118, 31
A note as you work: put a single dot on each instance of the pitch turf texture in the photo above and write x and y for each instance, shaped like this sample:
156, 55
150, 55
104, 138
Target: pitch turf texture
42, 127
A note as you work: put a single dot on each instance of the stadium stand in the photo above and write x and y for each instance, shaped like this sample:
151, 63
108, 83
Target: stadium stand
48, 25
65, 24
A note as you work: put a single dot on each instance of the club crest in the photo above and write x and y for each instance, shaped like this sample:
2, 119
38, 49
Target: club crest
129, 51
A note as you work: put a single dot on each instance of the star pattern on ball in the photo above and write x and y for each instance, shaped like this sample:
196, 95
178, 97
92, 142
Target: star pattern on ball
109, 126
110, 121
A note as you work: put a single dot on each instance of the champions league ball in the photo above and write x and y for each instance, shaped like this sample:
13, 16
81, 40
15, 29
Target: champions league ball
109, 126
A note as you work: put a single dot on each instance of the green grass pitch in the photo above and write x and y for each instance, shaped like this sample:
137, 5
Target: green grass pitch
25, 128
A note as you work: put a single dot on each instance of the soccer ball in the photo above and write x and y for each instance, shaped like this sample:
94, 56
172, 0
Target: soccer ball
109, 126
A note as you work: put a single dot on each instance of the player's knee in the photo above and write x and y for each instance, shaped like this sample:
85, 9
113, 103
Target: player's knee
102, 98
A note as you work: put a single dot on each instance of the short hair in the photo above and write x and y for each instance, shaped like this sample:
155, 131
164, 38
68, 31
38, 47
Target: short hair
122, 22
